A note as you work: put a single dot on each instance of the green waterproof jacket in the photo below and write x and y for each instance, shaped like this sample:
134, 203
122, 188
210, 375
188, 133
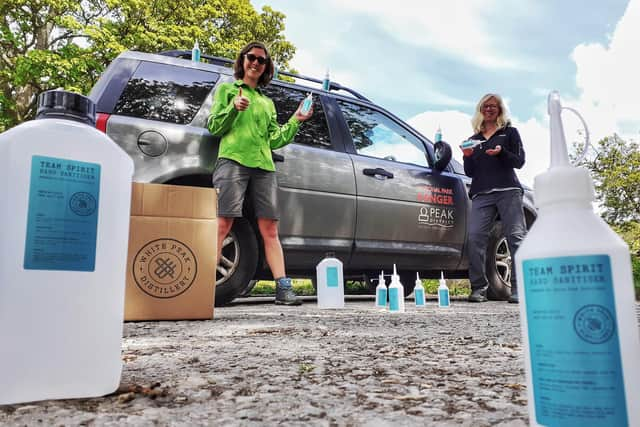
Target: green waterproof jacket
248, 136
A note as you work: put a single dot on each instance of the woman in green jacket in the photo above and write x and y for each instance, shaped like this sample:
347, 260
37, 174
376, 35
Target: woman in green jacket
247, 122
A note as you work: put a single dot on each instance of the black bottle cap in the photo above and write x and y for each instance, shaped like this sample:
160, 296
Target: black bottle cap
62, 104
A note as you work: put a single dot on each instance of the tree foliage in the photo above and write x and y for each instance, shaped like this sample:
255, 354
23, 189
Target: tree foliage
616, 172
45, 44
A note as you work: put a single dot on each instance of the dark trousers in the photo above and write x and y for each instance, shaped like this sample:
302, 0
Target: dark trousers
484, 210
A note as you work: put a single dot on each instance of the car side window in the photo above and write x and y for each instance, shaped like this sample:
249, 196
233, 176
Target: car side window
457, 166
165, 92
376, 135
314, 131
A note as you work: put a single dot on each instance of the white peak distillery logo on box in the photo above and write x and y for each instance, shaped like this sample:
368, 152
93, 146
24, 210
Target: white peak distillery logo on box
164, 268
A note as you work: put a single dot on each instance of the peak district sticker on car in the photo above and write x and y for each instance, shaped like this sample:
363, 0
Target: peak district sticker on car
439, 210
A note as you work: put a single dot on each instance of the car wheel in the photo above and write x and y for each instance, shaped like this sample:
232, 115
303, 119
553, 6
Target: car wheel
499, 266
238, 262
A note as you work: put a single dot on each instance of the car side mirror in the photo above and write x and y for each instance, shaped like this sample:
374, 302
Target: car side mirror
443, 154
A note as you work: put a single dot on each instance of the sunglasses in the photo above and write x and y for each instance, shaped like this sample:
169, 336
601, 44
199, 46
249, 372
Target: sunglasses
490, 107
251, 58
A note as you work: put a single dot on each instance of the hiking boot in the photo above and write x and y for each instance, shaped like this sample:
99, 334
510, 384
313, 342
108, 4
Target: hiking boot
284, 293
478, 295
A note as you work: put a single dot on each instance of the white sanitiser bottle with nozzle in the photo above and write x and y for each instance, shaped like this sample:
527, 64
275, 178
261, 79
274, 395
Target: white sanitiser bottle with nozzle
438, 137
443, 293
381, 292
418, 292
326, 82
306, 104
195, 52
396, 293
577, 306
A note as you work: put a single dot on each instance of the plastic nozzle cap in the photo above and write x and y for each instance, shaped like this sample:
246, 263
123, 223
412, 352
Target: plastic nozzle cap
63, 104
562, 182
559, 156
441, 275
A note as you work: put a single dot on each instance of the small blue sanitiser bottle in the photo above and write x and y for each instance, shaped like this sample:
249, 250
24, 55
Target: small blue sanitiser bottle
306, 104
326, 83
443, 293
396, 293
418, 292
381, 292
195, 52
438, 137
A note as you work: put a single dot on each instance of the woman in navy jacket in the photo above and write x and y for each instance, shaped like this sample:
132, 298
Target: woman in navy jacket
495, 189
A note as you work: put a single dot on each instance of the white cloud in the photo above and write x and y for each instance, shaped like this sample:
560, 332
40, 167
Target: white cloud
461, 28
608, 79
609, 100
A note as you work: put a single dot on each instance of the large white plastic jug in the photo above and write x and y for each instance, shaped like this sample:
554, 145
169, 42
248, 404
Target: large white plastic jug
64, 221
330, 283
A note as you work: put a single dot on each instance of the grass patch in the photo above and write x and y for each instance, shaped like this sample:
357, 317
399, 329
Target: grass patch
304, 287
456, 287
635, 266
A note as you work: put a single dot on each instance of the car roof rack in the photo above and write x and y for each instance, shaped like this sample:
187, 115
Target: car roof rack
218, 60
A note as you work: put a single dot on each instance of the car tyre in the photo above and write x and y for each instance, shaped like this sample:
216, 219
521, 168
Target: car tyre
238, 262
499, 265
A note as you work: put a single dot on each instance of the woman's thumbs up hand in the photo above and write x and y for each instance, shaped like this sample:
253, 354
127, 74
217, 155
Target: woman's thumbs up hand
240, 102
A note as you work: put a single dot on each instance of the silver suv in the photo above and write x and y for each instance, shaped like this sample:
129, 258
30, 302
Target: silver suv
356, 181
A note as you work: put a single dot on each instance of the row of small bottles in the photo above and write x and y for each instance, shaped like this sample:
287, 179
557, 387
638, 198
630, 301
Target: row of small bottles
394, 294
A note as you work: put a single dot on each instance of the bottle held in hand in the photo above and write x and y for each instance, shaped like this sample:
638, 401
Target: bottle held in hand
306, 104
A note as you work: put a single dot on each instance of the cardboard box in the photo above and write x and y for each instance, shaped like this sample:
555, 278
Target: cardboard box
172, 249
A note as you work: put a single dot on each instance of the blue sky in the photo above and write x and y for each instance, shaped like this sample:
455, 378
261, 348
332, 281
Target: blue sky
429, 62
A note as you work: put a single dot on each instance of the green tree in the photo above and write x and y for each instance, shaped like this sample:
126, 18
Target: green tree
616, 172
615, 169
46, 44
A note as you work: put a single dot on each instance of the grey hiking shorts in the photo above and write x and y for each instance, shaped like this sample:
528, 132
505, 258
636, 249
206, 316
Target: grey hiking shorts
235, 182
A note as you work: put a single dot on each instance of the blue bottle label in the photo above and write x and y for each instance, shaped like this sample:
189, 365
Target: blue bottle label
443, 297
419, 296
306, 106
62, 219
394, 299
332, 277
382, 297
573, 341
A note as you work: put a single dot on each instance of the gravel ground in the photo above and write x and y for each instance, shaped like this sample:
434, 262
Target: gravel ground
260, 364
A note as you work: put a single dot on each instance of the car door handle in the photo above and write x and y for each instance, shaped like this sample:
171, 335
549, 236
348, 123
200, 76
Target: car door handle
377, 172
277, 157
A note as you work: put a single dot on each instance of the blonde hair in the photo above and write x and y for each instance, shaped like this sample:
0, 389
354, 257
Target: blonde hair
477, 122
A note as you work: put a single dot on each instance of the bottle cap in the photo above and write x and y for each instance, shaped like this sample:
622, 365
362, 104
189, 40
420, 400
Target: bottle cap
562, 182
62, 104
